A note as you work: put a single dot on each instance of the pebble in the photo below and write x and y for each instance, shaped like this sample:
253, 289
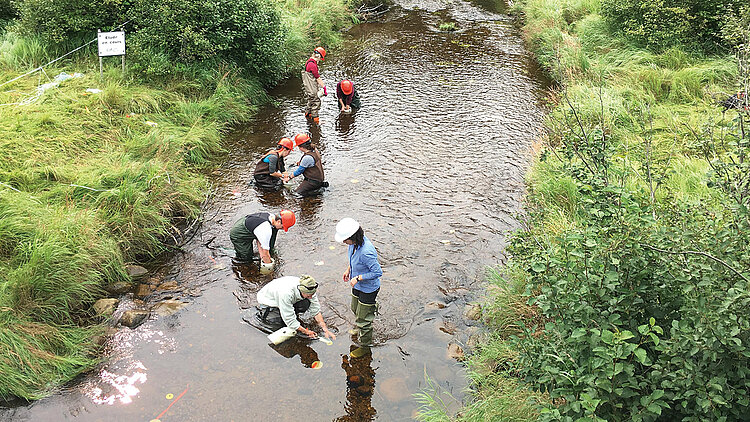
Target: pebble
105, 307
455, 352
395, 390
133, 318
135, 271
472, 312
168, 307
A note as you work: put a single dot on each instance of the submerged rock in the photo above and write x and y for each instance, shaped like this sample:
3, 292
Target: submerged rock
472, 312
136, 271
118, 288
143, 290
168, 307
434, 305
394, 390
133, 318
105, 307
448, 328
455, 352
168, 285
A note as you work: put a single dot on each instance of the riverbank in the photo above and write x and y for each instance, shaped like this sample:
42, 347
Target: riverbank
625, 297
96, 174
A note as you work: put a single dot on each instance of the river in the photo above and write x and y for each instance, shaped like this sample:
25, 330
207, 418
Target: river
433, 168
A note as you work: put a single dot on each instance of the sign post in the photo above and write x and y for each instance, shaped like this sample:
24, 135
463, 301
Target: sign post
111, 44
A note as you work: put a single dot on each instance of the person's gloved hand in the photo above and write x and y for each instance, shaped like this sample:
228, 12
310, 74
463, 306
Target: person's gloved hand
325, 91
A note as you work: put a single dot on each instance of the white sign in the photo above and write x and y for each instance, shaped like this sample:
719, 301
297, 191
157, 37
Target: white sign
111, 43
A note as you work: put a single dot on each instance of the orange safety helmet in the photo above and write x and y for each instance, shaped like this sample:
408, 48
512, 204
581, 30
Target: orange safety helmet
301, 138
322, 52
286, 143
346, 86
287, 219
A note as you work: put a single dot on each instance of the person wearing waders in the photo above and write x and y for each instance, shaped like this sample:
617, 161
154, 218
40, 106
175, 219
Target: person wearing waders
312, 83
347, 95
260, 228
363, 275
281, 300
269, 172
310, 167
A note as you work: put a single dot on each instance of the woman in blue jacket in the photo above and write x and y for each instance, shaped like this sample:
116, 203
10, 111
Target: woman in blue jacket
363, 275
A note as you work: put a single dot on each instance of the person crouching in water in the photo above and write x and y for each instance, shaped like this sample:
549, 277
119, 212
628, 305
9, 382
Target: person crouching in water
269, 172
310, 167
363, 275
260, 227
284, 298
347, 96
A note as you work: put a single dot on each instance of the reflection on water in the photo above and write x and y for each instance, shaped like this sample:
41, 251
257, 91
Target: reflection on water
123, 387
298, 347
360, 386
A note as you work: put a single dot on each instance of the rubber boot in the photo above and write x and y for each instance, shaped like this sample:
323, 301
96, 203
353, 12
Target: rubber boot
354, 305
365, 317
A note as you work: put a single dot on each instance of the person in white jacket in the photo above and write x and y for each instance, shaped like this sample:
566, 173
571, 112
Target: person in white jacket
284, 298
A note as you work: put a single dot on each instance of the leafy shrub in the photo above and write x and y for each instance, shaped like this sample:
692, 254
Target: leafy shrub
661, 24
57, 21
7, 10
645, 307
245, 32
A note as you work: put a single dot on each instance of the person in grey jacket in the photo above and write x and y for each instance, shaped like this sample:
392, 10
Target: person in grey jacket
284, 298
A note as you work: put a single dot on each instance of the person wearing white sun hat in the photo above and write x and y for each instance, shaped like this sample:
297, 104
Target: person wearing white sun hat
363, 275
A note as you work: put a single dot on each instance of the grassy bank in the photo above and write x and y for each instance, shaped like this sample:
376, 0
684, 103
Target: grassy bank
627, 299
91, 181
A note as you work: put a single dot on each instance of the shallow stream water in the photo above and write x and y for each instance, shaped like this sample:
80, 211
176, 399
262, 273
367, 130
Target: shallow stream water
432, 167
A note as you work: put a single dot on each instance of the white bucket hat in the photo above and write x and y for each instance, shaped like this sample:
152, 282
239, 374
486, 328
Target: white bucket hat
345, 229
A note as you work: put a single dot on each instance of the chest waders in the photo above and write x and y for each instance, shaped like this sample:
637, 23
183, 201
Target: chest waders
314, 177
311, 92
243, 238
271, 315
262, 173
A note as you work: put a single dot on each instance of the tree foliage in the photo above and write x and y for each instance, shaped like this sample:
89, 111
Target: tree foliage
661, 24
57, 21
244, 32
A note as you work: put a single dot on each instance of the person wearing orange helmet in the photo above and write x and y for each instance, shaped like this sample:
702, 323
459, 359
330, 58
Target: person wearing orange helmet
270, 170
310, 167
259, 228
347, 96
312, 83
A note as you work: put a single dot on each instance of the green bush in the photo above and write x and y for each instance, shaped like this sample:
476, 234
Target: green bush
660, 24
7, 11
645, 306
245, 32
57, 21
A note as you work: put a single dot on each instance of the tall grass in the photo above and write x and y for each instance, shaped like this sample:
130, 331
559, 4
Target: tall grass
87, 185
